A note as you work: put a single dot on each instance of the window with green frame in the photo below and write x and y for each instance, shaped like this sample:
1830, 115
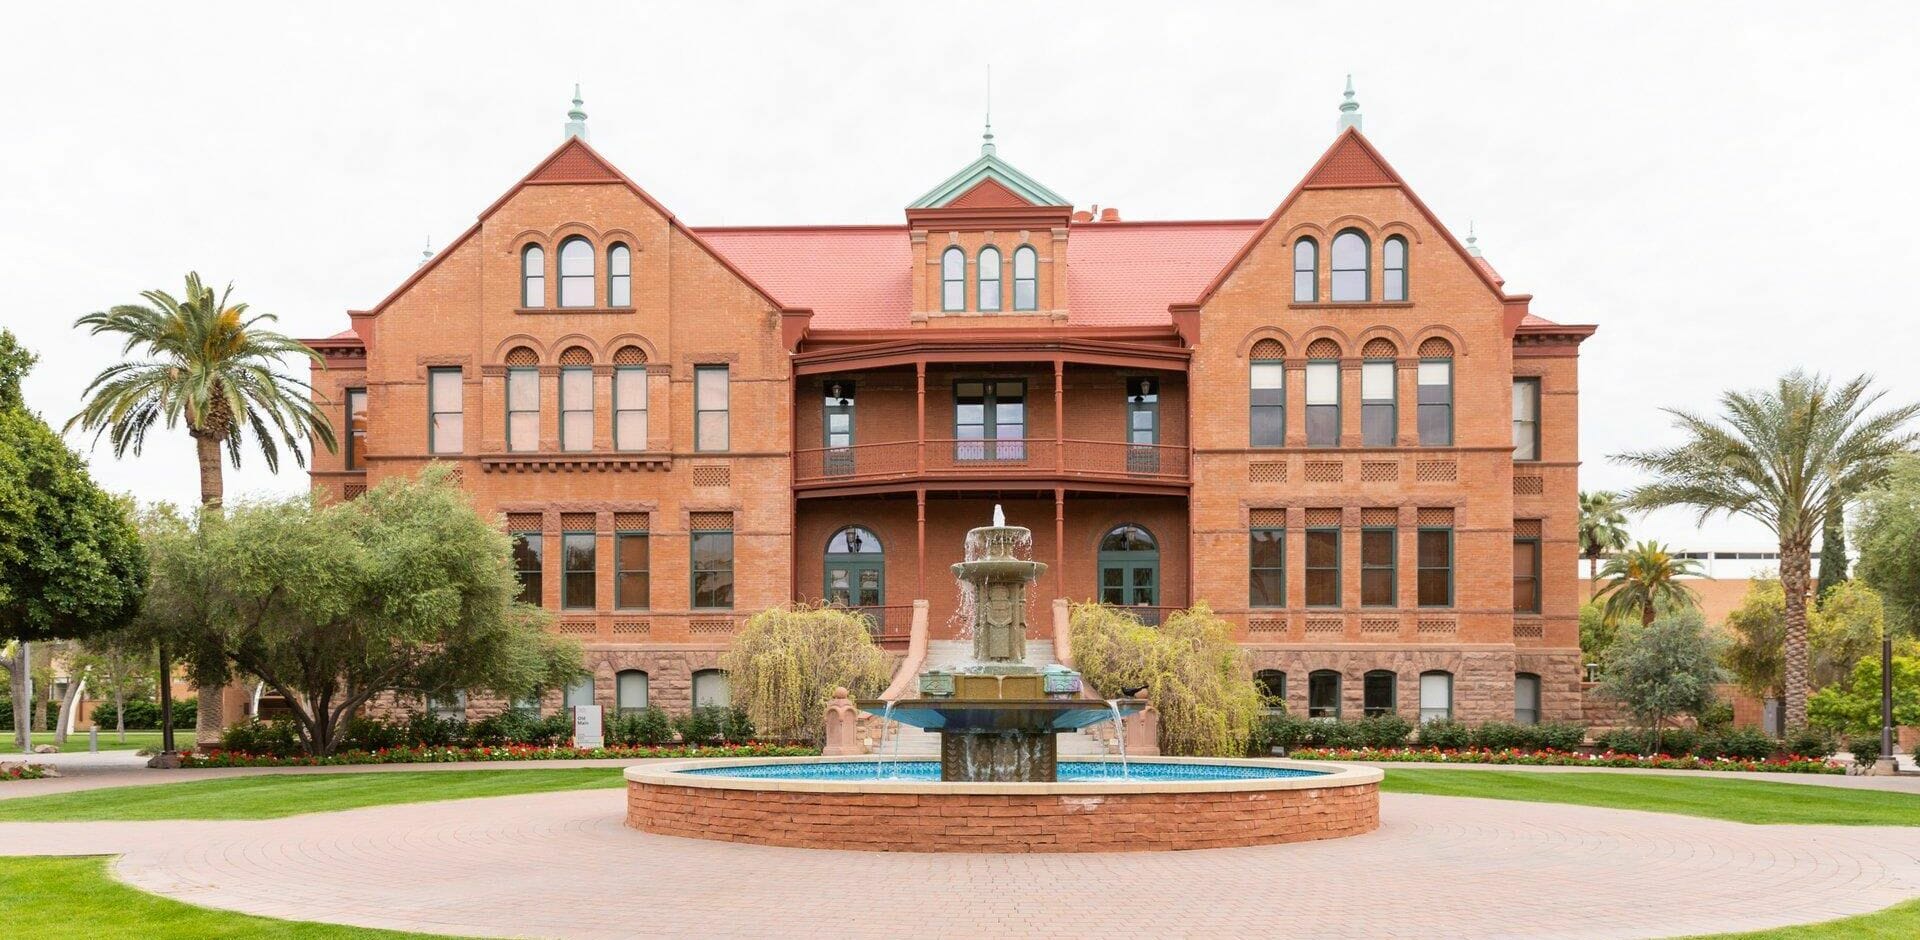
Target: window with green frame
579, 570
356, 429
1526, 575
1323, 567
576, 408
1436, 696
1379, 411
711, 408
1266, 567
989, 274
1526, 419
1323, 694
632, 579
1379, 567
1435, 577
529, 556
630, 408
1436, 402
1267, 402
1323, 402
953, 280
1379, 693
523, 409
446, 414
712, 569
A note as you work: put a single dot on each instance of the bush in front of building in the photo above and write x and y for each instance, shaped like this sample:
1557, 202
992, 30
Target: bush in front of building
785, 662
1791, 764
1189, 667
266, 738
144, 714
502, 752
646, 726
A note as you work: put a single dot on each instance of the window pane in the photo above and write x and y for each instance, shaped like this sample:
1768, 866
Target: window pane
1394, 253
1268, 376
1267, 587
1323, 695
1025, 262
1304, 286
449, 430
1376, 547
576, 258
1349, 252
1376, 380
523, 390
1377, 588
1377, 425
630, 388
576, 430
535, 292
1436, 548
1269, 426
1377, 693
630, 430
1323, 383
446, 389
1434, 375
989, 295
1436, 696
712, 388
1323, 425
1025, 295
1436, 425
953, 265
1396, 285
1323, 548
631, 690
1349, 285
523, 430
954, 296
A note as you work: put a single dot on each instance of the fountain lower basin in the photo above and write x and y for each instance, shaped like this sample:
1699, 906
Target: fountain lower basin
1164, 803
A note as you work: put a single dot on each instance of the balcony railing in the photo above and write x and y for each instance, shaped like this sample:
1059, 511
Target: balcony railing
1002, 458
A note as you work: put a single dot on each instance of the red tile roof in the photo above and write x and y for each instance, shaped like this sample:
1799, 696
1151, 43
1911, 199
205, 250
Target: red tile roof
860, 277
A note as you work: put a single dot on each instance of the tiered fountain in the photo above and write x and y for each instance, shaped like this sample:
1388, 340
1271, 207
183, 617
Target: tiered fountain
999, 785
998, 716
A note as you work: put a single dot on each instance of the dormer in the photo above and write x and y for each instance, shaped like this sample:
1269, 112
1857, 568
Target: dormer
989, 242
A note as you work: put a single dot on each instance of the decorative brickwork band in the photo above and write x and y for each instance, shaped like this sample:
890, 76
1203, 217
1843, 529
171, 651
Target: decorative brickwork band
710, 521
1438, 516
1267, 471
523, 522
1379, 516
1323, 517
1436, 471
1526, 528
632, 521
1379, 471
1323, 471
712, 476
577, 521
1267, 518
1529, 485
630, 356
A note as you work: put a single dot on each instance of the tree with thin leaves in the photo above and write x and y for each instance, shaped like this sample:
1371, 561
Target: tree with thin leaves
202, 361
1786, 457
1603, 529
1645, 580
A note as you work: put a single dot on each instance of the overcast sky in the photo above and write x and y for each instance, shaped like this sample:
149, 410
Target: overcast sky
1726, 189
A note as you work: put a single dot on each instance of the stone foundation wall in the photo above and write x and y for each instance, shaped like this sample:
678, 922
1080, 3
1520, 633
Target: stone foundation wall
1482, 677
967, 822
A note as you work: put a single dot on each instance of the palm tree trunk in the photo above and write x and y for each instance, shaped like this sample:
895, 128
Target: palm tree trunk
209, 723
1593, 576
1794, 565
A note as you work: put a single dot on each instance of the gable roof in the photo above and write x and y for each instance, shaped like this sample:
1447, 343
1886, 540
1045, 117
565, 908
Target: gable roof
574, 161
989, 168
1351, 162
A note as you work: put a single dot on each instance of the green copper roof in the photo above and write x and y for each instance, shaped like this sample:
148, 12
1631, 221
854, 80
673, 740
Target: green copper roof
989, 166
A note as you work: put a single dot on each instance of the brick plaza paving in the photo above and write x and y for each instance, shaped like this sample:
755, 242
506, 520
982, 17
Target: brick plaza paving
561, 864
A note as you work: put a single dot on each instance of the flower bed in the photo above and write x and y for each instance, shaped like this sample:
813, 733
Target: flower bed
22, 772
507, 752
1548, 758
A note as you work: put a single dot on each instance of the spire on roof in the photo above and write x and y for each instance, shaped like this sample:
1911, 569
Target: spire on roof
426, 254
1473, 248
576, 118
986, 139
1349, 109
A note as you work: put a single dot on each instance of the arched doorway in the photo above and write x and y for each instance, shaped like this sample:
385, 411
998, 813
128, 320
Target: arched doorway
856, 569
1129, 565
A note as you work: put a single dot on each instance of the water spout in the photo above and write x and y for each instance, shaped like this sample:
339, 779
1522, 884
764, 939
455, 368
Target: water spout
1120, 732
886, 718
999, 515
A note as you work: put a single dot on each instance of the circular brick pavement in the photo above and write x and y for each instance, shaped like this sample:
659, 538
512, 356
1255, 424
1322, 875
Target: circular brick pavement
562, 864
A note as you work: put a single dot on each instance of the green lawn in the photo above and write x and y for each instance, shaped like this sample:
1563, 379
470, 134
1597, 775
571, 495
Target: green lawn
1899, 922
1747, 801
63, 897
271, 796
109, 741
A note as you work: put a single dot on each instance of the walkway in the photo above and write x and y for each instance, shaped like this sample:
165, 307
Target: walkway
562, 864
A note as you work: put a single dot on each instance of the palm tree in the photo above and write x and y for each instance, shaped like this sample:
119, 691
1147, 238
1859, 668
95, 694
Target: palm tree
1603, 529
203, 362
1646, 578
1786, 457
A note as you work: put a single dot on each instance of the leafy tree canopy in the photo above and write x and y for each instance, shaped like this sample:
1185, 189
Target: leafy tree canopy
1194, 674
1888, 537
1665, 668
785, 663
1853, 707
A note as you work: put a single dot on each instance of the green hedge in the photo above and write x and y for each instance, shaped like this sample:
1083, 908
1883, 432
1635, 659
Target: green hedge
6, 715
144, 714
1733, 743
648, 727
1391, 731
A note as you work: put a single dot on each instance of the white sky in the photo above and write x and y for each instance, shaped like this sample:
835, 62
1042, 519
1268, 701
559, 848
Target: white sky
1726, 189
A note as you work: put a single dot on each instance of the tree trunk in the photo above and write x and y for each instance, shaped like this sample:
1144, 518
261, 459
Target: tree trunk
1794, 564
18, 674
209, 722
166, 703
61, 722
1593, 576
119, 701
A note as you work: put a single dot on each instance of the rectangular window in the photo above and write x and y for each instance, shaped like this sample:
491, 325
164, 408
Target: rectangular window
710, 393
1379, 417
529, 554
1526, 699
1379, 693
1526, 419
1323, 403
630, 408
445, 412
1323, 694
523, 409
1435, 550
713, 570
356, 429
1526, 576
990, 420
1323, 567
576, 408
1268, 401
632, 582
1267, 568
1436, 402
1436, 696
579, 570
1379, 575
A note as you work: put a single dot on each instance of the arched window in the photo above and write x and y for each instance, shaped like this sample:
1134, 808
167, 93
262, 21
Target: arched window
953, 280
1323, 694
1306, 271
1379, 693
856, 569
1273, 690
523, 399
1436, 696
1323, 393
451, 706
1393, 267
1026, 278
576, 399
1129, 570
630, 691
533, 276
1526, 698
576, 272
579, 691
989, 278
619, 276
1267, 394
1350, 266
711, 689
1379, 397
1435, 390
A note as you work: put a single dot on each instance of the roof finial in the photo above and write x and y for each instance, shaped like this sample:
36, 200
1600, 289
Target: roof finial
576, 118
426, 254
1472, 247
986, 139
1349, 109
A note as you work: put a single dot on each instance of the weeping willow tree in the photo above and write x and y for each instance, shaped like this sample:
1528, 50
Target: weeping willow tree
1189, 666
786, 661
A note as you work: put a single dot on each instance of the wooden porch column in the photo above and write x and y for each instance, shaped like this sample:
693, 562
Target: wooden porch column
1059, 415
920, 435
1060, 540
920, 527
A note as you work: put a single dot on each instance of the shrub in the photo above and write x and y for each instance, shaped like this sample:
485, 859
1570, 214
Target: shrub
1624, 741
144, 714
1559, 736
735, 726
1281, 730
647, 726
1332, 732
1192, 671
1384, 731
431, 730
267, 738
1810, 741
1445, 734
785, 662
1663, 669
1502, 736
1865, 748
701, 725
1717, 716
1745, 744
373, 734
512, 726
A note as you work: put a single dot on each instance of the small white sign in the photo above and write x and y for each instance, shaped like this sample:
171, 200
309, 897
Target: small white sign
586, 726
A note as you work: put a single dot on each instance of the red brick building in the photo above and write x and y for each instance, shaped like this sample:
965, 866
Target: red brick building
1330, 423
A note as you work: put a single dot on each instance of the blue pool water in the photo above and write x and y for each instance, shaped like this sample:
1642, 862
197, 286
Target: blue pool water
1069, 771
